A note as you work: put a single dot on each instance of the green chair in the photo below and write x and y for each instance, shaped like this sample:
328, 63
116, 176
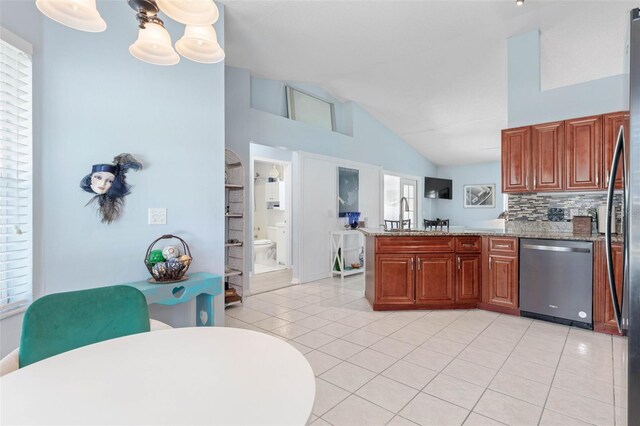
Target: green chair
61, 322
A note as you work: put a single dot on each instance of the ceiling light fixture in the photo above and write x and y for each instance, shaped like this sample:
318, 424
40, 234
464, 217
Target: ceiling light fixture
519, 2
199, 43
78, 14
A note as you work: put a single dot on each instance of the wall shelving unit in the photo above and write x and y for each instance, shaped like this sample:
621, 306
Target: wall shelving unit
234, 228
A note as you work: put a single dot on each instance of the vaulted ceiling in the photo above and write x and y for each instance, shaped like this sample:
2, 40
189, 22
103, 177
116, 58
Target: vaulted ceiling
434, 72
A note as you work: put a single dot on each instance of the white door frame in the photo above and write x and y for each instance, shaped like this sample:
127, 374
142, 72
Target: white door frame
288, 175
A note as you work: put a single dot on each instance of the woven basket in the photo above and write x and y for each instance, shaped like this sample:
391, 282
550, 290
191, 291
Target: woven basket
171, 271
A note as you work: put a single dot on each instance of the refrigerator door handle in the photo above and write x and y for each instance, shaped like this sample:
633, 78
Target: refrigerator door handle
612, 183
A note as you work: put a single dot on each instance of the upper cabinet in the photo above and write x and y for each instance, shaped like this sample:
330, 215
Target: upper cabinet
570, 155
583, 164
547, 149
516, 162
275, 195
612, 123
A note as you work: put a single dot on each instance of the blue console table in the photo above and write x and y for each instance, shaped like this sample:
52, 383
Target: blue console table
201, 285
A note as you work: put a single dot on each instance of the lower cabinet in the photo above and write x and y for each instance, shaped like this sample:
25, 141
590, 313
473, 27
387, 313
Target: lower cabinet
500, 289
395, 279
468, 277
603, 314
434, 279
503, 280
423, 280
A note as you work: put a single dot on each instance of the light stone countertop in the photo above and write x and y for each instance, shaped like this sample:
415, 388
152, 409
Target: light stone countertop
519, 234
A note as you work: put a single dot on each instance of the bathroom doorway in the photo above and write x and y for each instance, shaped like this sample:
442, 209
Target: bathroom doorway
271, 225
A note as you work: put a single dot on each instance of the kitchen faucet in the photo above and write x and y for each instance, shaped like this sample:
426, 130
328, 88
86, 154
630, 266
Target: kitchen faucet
406, 209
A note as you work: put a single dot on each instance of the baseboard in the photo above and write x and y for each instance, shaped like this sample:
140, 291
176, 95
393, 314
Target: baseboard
315, 277
500, 309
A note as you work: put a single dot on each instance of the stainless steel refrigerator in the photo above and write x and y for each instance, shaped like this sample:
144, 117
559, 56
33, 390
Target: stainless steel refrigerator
628, 152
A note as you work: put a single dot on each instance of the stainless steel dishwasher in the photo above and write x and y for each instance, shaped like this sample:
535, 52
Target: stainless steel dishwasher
556, 281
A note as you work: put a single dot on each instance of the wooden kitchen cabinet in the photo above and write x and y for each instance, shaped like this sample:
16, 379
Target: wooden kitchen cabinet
583, 162
468, 277
503, 280
434, 279
571, 155
547, 156
413, 272
516, 161
395, 279
603, 314
500, 270
612, 123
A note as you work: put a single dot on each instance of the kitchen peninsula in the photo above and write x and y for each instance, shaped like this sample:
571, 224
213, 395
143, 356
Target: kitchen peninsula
464, 270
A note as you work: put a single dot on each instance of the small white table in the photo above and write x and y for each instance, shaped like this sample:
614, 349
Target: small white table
344, 252
194, 376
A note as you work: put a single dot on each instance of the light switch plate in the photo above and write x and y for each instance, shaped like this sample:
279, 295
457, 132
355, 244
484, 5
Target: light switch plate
157, 216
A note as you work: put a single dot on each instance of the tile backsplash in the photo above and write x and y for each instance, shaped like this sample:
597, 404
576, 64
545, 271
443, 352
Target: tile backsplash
528, 212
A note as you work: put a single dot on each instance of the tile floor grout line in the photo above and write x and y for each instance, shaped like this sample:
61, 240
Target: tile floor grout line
441, 372
555, 371
494, 376
574, 393
369, 381
613, 375
419, 391
346, 297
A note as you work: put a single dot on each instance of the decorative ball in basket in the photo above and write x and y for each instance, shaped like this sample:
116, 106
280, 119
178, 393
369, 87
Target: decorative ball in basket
169, 264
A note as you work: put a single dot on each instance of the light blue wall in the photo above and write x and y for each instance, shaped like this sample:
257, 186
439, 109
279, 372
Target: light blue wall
464, 175
529, 105
371, 142
94, 100
266, 124
270, 96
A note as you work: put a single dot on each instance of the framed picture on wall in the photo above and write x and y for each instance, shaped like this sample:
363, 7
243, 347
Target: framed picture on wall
480, 196
348, 188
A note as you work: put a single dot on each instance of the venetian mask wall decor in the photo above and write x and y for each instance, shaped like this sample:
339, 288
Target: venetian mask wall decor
108, 183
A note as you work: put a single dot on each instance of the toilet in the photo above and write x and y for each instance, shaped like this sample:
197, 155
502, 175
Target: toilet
264, 251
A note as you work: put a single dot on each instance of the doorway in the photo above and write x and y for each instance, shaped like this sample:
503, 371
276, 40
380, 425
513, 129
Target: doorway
394, 188
271, 242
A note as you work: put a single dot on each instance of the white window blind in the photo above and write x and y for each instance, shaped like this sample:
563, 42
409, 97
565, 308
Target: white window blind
16, 226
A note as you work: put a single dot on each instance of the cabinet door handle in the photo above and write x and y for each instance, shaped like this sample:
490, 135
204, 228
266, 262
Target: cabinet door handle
502, 246
597, 178
535, 181
419, 263
490, 260
467, 244
412, 264
458, 263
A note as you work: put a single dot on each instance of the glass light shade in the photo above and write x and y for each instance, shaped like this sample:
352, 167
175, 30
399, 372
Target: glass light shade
273, 173
200, 44
154, 46
190, 12
79, 14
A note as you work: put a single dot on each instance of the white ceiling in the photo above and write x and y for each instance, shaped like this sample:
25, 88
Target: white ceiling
432, 71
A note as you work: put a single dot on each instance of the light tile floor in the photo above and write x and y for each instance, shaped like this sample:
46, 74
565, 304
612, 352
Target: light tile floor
447, 367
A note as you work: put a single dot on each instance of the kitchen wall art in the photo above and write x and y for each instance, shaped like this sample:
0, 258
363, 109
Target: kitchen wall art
108, 183
480, 196
348, 186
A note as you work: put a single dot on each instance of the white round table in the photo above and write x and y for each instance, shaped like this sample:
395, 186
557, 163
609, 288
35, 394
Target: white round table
194, 376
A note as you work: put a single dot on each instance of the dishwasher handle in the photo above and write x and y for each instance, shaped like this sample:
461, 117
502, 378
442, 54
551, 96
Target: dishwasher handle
556, 248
